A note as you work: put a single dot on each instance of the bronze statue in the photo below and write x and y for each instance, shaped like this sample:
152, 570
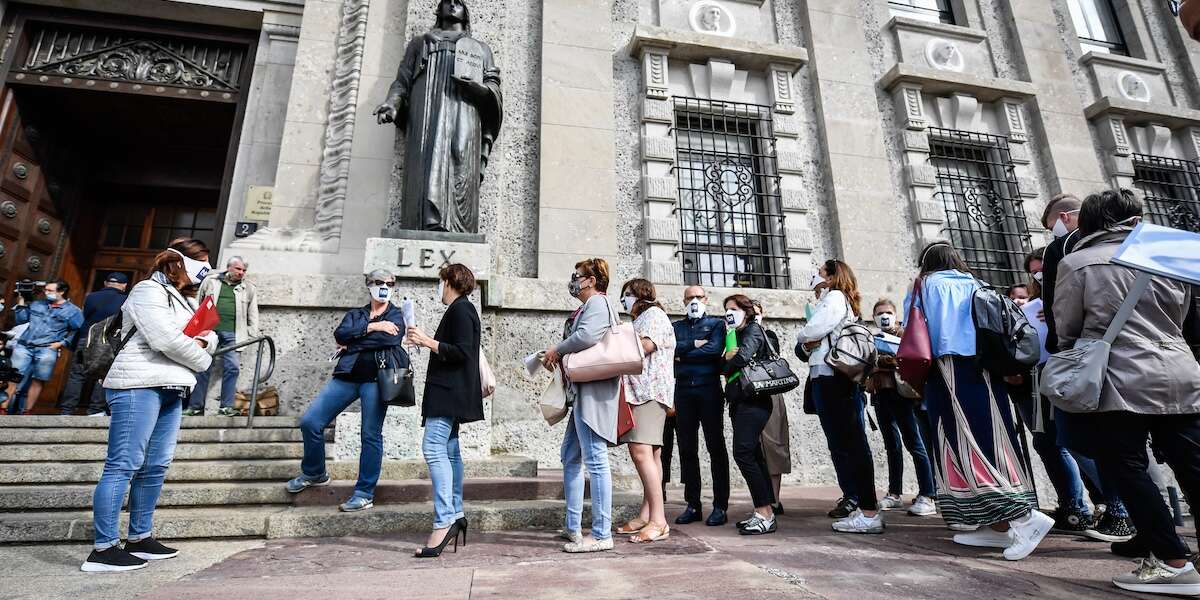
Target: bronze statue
447, 100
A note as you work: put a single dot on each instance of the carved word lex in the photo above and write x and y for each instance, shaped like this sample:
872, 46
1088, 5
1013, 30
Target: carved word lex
426, 259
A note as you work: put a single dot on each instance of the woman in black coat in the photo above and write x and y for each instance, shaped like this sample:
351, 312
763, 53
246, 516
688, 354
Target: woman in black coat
453, 395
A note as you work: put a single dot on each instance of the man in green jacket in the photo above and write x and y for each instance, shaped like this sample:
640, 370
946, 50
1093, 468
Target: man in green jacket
237, 305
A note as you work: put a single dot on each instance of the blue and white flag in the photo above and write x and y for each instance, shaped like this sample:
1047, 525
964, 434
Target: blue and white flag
1164, 251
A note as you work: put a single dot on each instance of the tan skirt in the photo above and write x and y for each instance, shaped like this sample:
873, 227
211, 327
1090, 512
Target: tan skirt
648, 422
776, 439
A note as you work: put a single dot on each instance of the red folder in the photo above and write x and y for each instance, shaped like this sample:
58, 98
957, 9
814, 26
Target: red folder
205, 319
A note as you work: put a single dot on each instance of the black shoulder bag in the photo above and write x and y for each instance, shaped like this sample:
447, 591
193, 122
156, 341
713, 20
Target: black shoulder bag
772, 375
395, 380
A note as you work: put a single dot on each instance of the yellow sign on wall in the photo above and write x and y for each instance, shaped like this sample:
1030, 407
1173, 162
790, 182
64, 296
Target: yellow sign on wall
259, 199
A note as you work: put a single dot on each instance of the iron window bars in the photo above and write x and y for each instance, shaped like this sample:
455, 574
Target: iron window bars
1097, 27
1172, 190
985, 216
926, 10
730, 213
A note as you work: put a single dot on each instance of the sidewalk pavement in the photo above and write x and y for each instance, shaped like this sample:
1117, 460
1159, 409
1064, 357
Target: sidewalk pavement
913, 559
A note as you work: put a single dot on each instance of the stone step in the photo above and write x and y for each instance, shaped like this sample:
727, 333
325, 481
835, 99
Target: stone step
183, 452
305, 521
207, 422
49, 435
260, 470
19, 498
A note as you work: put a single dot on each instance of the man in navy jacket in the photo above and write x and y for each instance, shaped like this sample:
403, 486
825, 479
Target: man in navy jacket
700, 403
97, 306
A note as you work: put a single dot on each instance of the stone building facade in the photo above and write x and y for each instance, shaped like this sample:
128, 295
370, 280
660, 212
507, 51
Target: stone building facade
733, 143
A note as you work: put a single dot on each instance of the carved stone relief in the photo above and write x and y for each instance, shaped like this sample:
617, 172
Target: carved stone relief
710, 17
1133, 87
944, 55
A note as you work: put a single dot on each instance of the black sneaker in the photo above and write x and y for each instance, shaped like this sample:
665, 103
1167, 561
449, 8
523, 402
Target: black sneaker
844, 507
1067, 521
150, 549
1112, 529
111, 560
759, 526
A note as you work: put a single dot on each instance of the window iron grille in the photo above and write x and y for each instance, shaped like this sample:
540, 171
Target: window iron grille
985, 215
938, 11
1172, 190
730, 213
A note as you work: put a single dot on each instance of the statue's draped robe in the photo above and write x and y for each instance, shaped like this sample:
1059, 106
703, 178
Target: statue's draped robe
449, 138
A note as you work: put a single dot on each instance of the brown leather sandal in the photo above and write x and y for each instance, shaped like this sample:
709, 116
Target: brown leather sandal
651, 533
633, 526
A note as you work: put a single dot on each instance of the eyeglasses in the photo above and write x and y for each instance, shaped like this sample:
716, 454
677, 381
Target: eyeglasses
578, 276
381, 282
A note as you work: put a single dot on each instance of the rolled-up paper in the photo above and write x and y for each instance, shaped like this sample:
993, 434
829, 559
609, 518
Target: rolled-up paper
533, 364
409, 310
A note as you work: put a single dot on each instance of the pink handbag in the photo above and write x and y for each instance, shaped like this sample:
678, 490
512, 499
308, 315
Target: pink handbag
618, 353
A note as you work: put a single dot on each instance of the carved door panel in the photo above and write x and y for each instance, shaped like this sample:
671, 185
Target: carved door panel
31, 230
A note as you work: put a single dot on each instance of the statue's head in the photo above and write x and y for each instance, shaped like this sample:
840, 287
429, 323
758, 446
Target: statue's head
453, 11
710, 18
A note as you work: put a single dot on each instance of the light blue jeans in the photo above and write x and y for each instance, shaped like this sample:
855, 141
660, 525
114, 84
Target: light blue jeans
442, 454
335, 397
582, 446
141, 443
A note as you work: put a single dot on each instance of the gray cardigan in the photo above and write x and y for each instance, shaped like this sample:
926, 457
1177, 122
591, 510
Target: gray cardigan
596, 400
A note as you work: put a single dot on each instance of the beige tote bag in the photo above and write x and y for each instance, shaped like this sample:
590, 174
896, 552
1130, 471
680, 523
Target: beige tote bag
487, 379
618, 353
553, 402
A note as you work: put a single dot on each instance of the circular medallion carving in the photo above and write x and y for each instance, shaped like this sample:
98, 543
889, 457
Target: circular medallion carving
34, 264
8, 208
21, 170
1133, 86
944, 55
44, 226
709, 17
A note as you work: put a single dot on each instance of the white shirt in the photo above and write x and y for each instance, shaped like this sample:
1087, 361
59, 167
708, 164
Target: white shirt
831, 314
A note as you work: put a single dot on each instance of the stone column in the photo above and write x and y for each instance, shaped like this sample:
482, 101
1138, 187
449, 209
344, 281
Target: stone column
1072, 165
858, 166
577, 215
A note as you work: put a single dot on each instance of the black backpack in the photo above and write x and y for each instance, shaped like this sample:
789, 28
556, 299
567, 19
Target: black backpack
102, 345
1005, 342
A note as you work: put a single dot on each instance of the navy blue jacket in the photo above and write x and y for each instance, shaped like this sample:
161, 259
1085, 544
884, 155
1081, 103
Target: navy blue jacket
98, 306
352, 333
696, 367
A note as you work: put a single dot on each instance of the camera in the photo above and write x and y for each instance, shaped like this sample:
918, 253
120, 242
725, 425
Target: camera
26, 288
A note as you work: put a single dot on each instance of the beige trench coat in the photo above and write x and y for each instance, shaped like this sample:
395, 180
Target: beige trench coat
1151, 369
247, 305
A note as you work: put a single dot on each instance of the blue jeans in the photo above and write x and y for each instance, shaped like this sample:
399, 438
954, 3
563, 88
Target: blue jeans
141, 443
901, 430
582, 446
34, 361
229, 375
442, 454
335, 397
1060, 465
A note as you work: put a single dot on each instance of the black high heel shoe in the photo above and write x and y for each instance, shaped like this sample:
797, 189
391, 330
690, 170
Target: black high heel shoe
452, 534
463, 525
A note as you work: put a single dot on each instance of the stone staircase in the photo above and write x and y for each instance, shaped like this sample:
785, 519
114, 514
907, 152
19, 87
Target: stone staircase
227, 481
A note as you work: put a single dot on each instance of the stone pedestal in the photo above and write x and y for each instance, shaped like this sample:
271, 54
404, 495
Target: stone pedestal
421, 254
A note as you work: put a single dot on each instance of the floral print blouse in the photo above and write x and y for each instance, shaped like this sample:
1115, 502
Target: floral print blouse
657, 381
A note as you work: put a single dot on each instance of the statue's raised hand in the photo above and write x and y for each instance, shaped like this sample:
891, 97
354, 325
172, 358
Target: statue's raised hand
386, 113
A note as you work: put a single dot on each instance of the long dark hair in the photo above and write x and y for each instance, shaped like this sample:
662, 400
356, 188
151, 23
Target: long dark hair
941, 256
1106, 209
466, 21
842, 279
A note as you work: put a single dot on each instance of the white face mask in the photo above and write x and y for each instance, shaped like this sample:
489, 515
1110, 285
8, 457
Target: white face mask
1131, 221
381, 293
196, 270
51, 297
1037, 277
758, 319
815, 280
1060, 228
441, 293
696, 309
734, 318
885, 320
628, 302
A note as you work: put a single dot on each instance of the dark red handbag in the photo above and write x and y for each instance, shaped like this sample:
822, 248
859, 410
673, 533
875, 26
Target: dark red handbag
625, 420
914, 359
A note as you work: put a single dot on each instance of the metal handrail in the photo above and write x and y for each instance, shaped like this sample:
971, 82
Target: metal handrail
259, 376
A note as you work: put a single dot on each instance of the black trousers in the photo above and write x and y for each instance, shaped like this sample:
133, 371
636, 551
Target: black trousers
699, 408
668, 449
840, 405
750, 416
1124, 460
80, 386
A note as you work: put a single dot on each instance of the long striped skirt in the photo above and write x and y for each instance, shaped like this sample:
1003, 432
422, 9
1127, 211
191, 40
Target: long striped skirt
980, 471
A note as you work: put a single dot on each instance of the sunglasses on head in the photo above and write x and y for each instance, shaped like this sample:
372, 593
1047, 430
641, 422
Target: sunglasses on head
381, 282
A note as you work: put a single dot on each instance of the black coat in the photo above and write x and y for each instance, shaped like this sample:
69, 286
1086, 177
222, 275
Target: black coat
452, 387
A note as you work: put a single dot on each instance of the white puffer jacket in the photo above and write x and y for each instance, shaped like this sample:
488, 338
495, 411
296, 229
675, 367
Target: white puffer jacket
158, 354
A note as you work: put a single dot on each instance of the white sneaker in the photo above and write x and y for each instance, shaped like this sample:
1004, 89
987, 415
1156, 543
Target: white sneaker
1027, 532
961, 527
922, 507
858, 522
890, 502
1155, 577
984, 537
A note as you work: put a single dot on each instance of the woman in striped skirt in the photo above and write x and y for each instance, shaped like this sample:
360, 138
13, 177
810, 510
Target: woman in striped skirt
982, 479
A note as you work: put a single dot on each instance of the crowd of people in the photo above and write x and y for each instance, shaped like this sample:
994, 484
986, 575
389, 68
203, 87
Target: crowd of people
963, 427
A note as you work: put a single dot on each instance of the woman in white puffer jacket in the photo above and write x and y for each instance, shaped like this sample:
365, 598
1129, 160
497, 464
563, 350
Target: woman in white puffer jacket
149, 381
